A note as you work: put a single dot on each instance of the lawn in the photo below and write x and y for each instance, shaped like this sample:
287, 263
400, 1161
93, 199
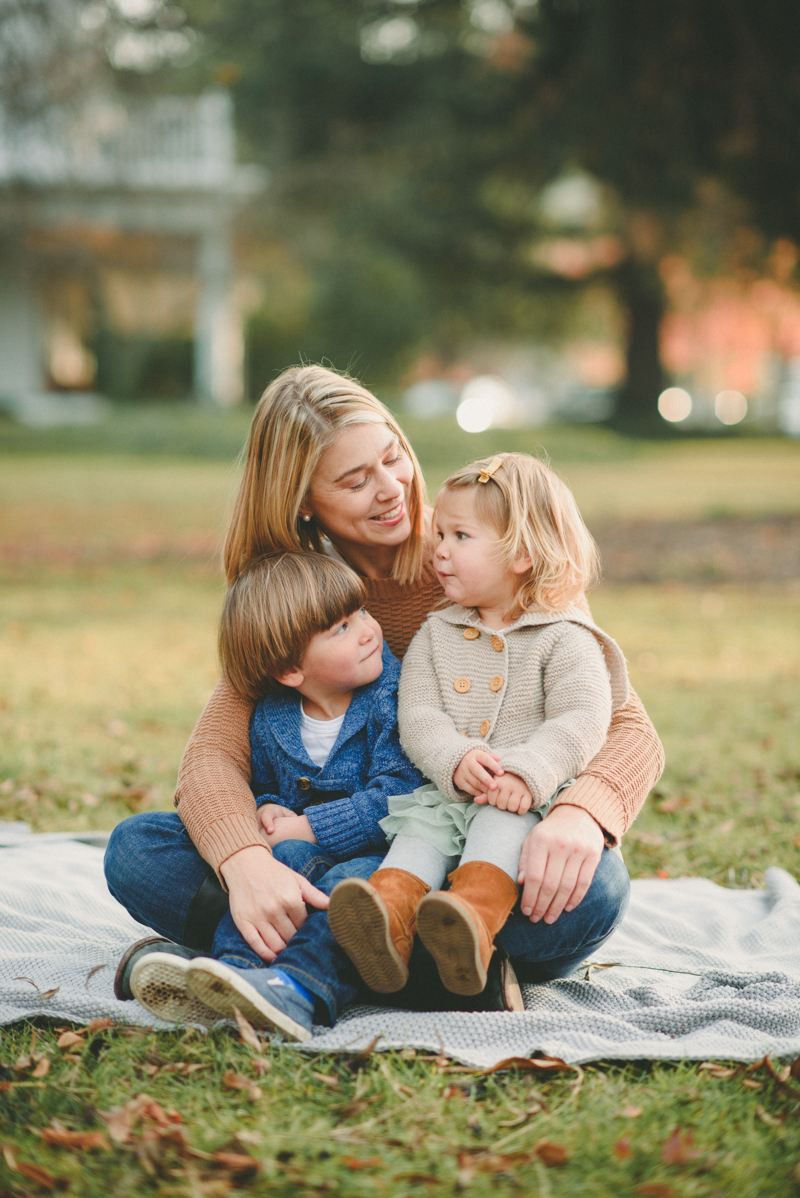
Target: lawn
107, 613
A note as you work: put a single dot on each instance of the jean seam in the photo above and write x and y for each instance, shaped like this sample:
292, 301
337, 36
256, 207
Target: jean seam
312, 864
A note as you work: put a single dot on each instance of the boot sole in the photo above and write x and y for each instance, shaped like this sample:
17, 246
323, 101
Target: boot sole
359, 921
452, 937
159, 984
213, 983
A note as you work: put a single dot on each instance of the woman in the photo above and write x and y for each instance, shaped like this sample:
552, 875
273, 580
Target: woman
328, 469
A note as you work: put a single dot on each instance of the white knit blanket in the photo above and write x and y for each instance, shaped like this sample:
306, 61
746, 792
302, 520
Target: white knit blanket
734, 993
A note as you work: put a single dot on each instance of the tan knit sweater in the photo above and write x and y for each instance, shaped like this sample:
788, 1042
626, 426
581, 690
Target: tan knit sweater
216, 804
539, 692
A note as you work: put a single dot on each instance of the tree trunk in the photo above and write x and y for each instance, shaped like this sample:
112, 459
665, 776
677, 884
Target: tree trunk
641, 295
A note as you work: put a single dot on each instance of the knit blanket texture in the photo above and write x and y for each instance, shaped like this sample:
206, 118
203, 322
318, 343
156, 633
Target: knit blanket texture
701, 971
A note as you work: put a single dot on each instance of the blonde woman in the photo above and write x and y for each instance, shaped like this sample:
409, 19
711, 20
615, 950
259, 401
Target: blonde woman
328, 469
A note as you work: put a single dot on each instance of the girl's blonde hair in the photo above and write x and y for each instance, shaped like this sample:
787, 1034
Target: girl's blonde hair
535, 515
274, 608
297, 417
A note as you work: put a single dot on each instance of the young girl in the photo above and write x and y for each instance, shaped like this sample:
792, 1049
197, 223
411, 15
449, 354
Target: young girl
505, 696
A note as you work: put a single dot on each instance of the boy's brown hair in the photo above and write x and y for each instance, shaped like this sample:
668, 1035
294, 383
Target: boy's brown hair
273, 609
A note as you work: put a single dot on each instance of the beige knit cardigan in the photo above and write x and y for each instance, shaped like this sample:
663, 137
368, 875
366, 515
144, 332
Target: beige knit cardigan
539, 692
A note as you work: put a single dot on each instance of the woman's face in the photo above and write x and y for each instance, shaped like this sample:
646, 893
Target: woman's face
360, 489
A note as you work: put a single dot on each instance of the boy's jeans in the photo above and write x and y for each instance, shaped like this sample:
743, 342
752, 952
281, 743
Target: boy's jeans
154, 870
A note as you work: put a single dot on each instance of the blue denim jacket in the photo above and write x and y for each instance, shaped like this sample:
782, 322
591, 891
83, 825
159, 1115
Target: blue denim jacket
345, 799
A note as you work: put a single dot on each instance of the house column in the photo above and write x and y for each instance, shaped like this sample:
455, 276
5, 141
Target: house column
218, 327
22, 338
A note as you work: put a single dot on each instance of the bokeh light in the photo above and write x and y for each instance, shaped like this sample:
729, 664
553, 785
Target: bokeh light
487, 400
730, 407
674, 404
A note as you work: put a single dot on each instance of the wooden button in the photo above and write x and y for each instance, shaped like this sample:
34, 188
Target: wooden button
462, 685
471, 634
497, 644
485, 726
496, 683
304, 783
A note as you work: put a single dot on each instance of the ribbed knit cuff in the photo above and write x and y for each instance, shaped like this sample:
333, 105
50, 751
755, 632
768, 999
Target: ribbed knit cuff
337, 828
227, 836
602, 803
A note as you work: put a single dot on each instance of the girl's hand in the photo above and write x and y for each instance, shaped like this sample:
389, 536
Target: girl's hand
269, 812
476, 771
292, 829
268, 900
511, 793
558, 861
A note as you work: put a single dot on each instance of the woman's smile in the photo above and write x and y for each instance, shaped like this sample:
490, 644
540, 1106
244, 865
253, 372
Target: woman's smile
394, 516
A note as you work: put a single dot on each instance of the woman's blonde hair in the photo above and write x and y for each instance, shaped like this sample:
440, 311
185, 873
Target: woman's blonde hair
535, 515
297, 417
274, 608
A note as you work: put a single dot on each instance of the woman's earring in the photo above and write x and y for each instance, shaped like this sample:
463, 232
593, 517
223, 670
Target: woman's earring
306, 519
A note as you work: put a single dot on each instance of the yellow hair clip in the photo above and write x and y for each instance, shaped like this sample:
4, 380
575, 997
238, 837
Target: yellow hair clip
489, 470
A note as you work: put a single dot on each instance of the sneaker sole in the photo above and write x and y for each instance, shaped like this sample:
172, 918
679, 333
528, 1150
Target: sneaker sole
359, 921
158, 983
213, 983
451, 936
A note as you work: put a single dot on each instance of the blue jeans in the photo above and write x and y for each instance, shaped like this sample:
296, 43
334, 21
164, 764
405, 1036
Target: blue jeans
154, 870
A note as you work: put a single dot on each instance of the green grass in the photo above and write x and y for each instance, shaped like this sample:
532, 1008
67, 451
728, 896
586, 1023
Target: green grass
107, 655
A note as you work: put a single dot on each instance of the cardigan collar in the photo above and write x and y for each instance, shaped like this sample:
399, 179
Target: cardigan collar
538, 617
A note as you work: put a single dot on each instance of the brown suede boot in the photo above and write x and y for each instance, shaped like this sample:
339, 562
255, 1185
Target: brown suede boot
375, 921
458, 926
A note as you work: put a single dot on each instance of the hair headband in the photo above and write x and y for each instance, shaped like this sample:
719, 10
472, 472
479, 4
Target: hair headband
488, 471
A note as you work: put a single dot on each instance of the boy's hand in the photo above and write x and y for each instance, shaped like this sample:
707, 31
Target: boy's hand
476, 771
268, 900
510, 794
269, 812
297, 828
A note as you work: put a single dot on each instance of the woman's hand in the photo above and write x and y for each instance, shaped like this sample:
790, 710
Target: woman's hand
267, 899
511, 794
476, 771
269, 812
558, 862
291, 829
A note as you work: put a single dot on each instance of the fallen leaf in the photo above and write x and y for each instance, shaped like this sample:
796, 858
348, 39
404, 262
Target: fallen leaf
79, 1140
327, 1079
99, 1025
21, 979
120, 1120
662, 873
23, 1062
751, 1084
89, 977
42, 1069
675, 804
358, 1058
259, 1064
770, 1120
655, 1190
550, 1153
532, 1065
622, 1149
236, 1081
236, 1162
629, 1112
677, 1150
247, 1031
69, 1040
370, 1162
35, 1172
5, 1086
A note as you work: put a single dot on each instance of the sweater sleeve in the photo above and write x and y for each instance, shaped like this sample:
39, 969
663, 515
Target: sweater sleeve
427, 732
213, 796
614, 785
347, 827
577, 706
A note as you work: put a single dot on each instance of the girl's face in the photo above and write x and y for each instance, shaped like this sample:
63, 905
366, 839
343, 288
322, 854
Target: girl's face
466, 557
360, 489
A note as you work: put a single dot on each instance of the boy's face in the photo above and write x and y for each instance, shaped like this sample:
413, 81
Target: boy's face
345, 656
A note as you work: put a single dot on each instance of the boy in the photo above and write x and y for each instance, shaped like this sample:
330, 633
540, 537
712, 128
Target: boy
295, 638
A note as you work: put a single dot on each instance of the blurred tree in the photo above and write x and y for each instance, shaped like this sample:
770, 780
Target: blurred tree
432, 127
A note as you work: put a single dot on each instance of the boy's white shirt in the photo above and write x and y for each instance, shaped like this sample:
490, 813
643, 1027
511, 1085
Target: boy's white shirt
543, 699
319, 736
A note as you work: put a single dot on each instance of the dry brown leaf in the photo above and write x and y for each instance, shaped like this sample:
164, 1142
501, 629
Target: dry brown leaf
23, 1062
370, 1162
622, 1149
99, 1025
36, 1173
766, 1117
532, 1065
260, 1065
629, 1112
550, 1153
358, 1058
677, 1150
69, 1039
79, 1140
593, 966
751, 1084
49, 993
42, 1069
328, 1079
236, 1162
91, 974
120, 1120
236, 1081
247, 1031
22, 979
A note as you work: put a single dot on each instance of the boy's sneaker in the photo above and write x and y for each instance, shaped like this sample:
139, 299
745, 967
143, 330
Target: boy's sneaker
261, 995
158, 983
